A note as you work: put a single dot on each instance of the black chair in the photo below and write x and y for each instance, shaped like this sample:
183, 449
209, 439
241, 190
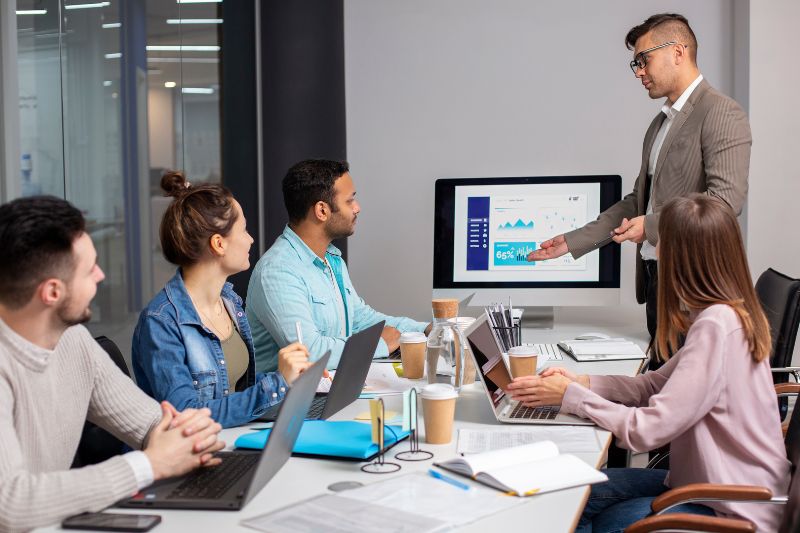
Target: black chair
96, 444
780, 298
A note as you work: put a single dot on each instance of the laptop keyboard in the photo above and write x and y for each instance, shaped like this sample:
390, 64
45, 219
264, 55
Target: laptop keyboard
314, 412
545, 412
211, 483
551, 352
317, 406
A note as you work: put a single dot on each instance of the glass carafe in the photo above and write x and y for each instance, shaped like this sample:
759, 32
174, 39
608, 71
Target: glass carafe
444, 354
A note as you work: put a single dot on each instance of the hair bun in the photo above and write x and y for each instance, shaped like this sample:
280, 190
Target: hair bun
174, 183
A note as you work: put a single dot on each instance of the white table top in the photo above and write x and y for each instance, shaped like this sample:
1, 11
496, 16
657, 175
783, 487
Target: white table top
303, 478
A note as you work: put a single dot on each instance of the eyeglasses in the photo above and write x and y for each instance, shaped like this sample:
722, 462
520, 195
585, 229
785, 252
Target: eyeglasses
640, 60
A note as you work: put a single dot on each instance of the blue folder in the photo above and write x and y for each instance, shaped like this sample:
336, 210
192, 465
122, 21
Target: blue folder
344, 439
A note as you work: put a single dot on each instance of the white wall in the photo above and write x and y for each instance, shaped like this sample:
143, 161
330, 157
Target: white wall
446, 88
773, 236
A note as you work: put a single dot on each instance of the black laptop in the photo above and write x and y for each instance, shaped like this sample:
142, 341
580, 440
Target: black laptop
243, 473
349, 380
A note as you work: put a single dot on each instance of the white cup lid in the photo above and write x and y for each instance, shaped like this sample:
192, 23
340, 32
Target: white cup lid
413, 336
438, 391
526, 350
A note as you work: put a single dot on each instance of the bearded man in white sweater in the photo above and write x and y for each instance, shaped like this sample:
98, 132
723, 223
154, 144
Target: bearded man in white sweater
54, 376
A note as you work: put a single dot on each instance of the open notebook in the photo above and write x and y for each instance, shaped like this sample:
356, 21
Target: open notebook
525, 470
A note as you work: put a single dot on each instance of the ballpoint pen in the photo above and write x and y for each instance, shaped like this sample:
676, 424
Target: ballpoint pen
299, 331
448, 479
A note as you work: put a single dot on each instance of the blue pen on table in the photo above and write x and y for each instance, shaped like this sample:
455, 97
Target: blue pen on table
448, 479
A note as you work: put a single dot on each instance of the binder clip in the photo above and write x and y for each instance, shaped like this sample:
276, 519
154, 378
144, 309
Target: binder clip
379, 465
413, 454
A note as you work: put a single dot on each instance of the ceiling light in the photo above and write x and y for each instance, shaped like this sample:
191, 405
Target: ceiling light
115, 55
31, 12
111, 25
197, 90
107, 83
169, 84
87, 6
194, 21
199, 1
182, 60
182, 48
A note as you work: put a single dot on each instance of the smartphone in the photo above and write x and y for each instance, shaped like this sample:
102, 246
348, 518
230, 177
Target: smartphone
112, 522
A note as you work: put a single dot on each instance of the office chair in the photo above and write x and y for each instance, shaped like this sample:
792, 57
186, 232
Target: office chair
780, 297
707, 492
96, 444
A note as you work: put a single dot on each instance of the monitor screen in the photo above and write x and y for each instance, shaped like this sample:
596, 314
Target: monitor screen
485, 227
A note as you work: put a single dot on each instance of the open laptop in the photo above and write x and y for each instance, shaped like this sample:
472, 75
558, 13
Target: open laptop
349, 380
243, 473
485, 350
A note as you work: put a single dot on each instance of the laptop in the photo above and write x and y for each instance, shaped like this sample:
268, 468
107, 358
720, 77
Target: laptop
349, 380
485, 350
243, 473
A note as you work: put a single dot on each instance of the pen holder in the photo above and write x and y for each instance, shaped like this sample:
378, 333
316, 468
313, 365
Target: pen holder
509, 336
379, 465
414, 453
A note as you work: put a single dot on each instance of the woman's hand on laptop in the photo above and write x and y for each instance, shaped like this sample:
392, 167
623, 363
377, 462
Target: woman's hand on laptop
174, 451
534, 391
553, 370
292, 361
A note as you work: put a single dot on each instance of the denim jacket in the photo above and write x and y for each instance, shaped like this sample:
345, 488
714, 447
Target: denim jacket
176, 358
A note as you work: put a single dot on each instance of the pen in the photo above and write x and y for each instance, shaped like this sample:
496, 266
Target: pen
448, 479
299, 332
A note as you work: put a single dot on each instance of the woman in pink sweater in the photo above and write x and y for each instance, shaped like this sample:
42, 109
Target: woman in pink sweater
713, 400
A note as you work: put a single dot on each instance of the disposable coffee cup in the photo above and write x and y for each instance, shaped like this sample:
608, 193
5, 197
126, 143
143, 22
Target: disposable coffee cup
412, 354
522, 361
444, 307
438, 411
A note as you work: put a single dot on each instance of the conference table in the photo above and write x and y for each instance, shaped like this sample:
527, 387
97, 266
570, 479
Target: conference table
302, 478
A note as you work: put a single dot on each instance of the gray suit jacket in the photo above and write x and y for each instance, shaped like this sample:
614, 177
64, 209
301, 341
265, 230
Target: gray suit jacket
707, 150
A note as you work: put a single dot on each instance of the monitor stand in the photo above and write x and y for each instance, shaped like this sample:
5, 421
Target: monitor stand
538, 317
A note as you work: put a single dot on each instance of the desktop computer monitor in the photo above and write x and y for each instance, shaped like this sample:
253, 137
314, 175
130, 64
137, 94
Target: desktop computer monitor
484, 229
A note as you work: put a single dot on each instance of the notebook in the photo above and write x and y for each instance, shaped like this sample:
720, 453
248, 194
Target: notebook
602, 349
345, 439
525, 470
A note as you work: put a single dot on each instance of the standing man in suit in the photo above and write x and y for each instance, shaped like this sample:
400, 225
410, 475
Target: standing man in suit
699, 142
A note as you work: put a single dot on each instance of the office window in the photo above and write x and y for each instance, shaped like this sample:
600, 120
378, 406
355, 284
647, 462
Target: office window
111, 94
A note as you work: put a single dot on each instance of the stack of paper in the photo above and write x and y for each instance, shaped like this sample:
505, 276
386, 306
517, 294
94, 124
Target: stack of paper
618, 346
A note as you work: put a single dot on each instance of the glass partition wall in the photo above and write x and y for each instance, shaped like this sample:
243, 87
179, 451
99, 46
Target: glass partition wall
111, 94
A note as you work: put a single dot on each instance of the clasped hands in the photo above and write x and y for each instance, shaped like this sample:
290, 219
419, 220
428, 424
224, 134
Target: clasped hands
548, 388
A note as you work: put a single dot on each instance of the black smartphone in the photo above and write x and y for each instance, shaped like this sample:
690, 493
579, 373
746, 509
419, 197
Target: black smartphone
112, 522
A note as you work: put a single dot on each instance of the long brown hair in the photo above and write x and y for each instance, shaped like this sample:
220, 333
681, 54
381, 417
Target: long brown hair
701, 262
196, 214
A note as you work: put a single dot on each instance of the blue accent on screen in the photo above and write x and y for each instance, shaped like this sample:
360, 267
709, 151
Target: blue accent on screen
478, 233
513, 253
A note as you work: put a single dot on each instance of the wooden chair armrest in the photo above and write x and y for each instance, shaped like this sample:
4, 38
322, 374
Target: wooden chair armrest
709, 491
691, 522
787, 388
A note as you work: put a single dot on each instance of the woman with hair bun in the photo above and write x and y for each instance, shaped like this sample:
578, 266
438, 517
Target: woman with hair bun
192, 345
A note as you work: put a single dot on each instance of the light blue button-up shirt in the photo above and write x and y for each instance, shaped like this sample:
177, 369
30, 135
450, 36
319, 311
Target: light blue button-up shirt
290, 284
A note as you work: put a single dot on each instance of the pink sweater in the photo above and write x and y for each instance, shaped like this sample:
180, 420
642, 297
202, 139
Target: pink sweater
712, 402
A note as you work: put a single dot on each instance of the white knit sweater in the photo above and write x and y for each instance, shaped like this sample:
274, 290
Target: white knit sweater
45, 397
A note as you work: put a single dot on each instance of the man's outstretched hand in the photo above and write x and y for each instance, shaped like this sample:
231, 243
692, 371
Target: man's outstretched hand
550, 249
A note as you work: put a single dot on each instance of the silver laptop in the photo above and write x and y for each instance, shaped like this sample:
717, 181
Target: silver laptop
489, 362
243, 473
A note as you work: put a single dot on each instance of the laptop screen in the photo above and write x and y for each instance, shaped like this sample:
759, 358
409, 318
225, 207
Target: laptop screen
489, 359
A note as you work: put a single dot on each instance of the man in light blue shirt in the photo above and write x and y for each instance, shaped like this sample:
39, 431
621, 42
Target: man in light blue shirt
303, 278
